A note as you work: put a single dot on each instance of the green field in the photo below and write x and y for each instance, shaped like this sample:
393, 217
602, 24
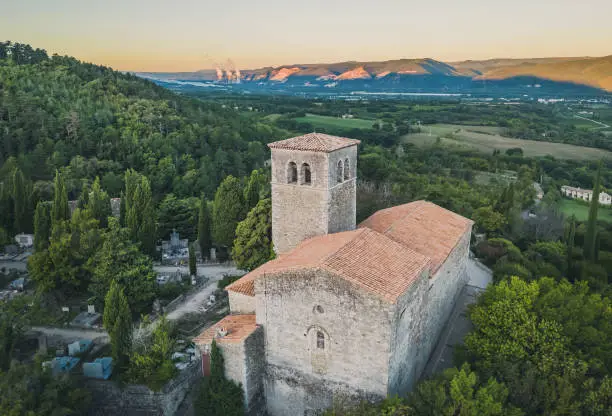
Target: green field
475, 137
335, 122
581, 211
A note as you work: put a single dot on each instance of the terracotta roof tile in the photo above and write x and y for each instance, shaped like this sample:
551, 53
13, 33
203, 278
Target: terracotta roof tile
316, 142
363, 257
421, 226
238, 328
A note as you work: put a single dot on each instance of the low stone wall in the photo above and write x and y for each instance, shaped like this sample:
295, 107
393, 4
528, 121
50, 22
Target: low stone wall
109, 398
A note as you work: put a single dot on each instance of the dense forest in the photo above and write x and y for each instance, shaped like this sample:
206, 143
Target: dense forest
88, 121
542, 340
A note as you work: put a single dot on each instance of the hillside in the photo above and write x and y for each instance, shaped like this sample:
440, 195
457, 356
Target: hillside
596, 72
88, 121
427, 74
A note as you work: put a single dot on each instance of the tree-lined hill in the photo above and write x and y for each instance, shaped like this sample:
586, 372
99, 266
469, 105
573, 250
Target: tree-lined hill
88, 120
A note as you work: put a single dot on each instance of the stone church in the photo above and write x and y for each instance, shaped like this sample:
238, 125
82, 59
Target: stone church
345, 312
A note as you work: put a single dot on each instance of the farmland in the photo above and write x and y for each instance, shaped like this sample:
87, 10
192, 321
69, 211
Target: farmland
581, 210
335, 122
488, 139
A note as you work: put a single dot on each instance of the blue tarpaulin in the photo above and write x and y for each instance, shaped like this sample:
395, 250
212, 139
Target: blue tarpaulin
100, 368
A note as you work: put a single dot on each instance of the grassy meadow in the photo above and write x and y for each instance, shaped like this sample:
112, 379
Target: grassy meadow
335, 122
581, 211
487, 139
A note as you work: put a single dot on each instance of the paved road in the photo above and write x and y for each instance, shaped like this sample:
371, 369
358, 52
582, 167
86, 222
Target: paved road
69, 332
603, 125
192, 304
211, 271
199, 299
9, 264
480, 275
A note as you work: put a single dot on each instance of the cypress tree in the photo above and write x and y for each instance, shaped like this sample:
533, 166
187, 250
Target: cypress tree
193, 270
122, 210
42, 226
204, 228
117, 321
255, 189
590, 238
146, 233
219, 396
19, 200
228, 211
99, 204
7, 219
84, 197
570, 245
60, 210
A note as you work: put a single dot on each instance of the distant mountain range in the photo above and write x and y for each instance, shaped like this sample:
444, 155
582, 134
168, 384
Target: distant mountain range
416, 73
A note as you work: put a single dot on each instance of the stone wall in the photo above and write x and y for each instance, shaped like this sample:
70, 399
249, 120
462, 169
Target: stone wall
298, 211
136, 400
420, 316
244, 363
240, 303
342, 208
255, 363
302, 377
406, 343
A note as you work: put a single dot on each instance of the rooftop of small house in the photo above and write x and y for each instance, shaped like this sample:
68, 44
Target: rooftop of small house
233, 328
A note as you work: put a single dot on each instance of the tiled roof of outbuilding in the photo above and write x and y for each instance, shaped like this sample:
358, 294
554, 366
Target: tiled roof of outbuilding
314, 142
238, 328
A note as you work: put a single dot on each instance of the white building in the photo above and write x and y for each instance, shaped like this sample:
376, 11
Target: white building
24, 240
585, 194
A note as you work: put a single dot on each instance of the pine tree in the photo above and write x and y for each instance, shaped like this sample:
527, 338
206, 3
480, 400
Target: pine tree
590, 238
204, 228
228, 210
60, 210
119, 259
42, 226
117, 321
19, 200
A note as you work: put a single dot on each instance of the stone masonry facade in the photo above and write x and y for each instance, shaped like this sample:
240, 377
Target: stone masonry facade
301, 210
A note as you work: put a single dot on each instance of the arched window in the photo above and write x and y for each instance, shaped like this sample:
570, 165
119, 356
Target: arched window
306, 178
320, 340
347, 169
340, 172
292, 173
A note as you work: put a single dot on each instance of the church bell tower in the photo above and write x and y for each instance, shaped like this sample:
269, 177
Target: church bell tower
313, 188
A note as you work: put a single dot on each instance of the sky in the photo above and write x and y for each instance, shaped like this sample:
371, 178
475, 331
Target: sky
187, 35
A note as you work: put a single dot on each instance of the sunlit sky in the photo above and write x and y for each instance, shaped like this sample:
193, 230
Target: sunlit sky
187, 35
